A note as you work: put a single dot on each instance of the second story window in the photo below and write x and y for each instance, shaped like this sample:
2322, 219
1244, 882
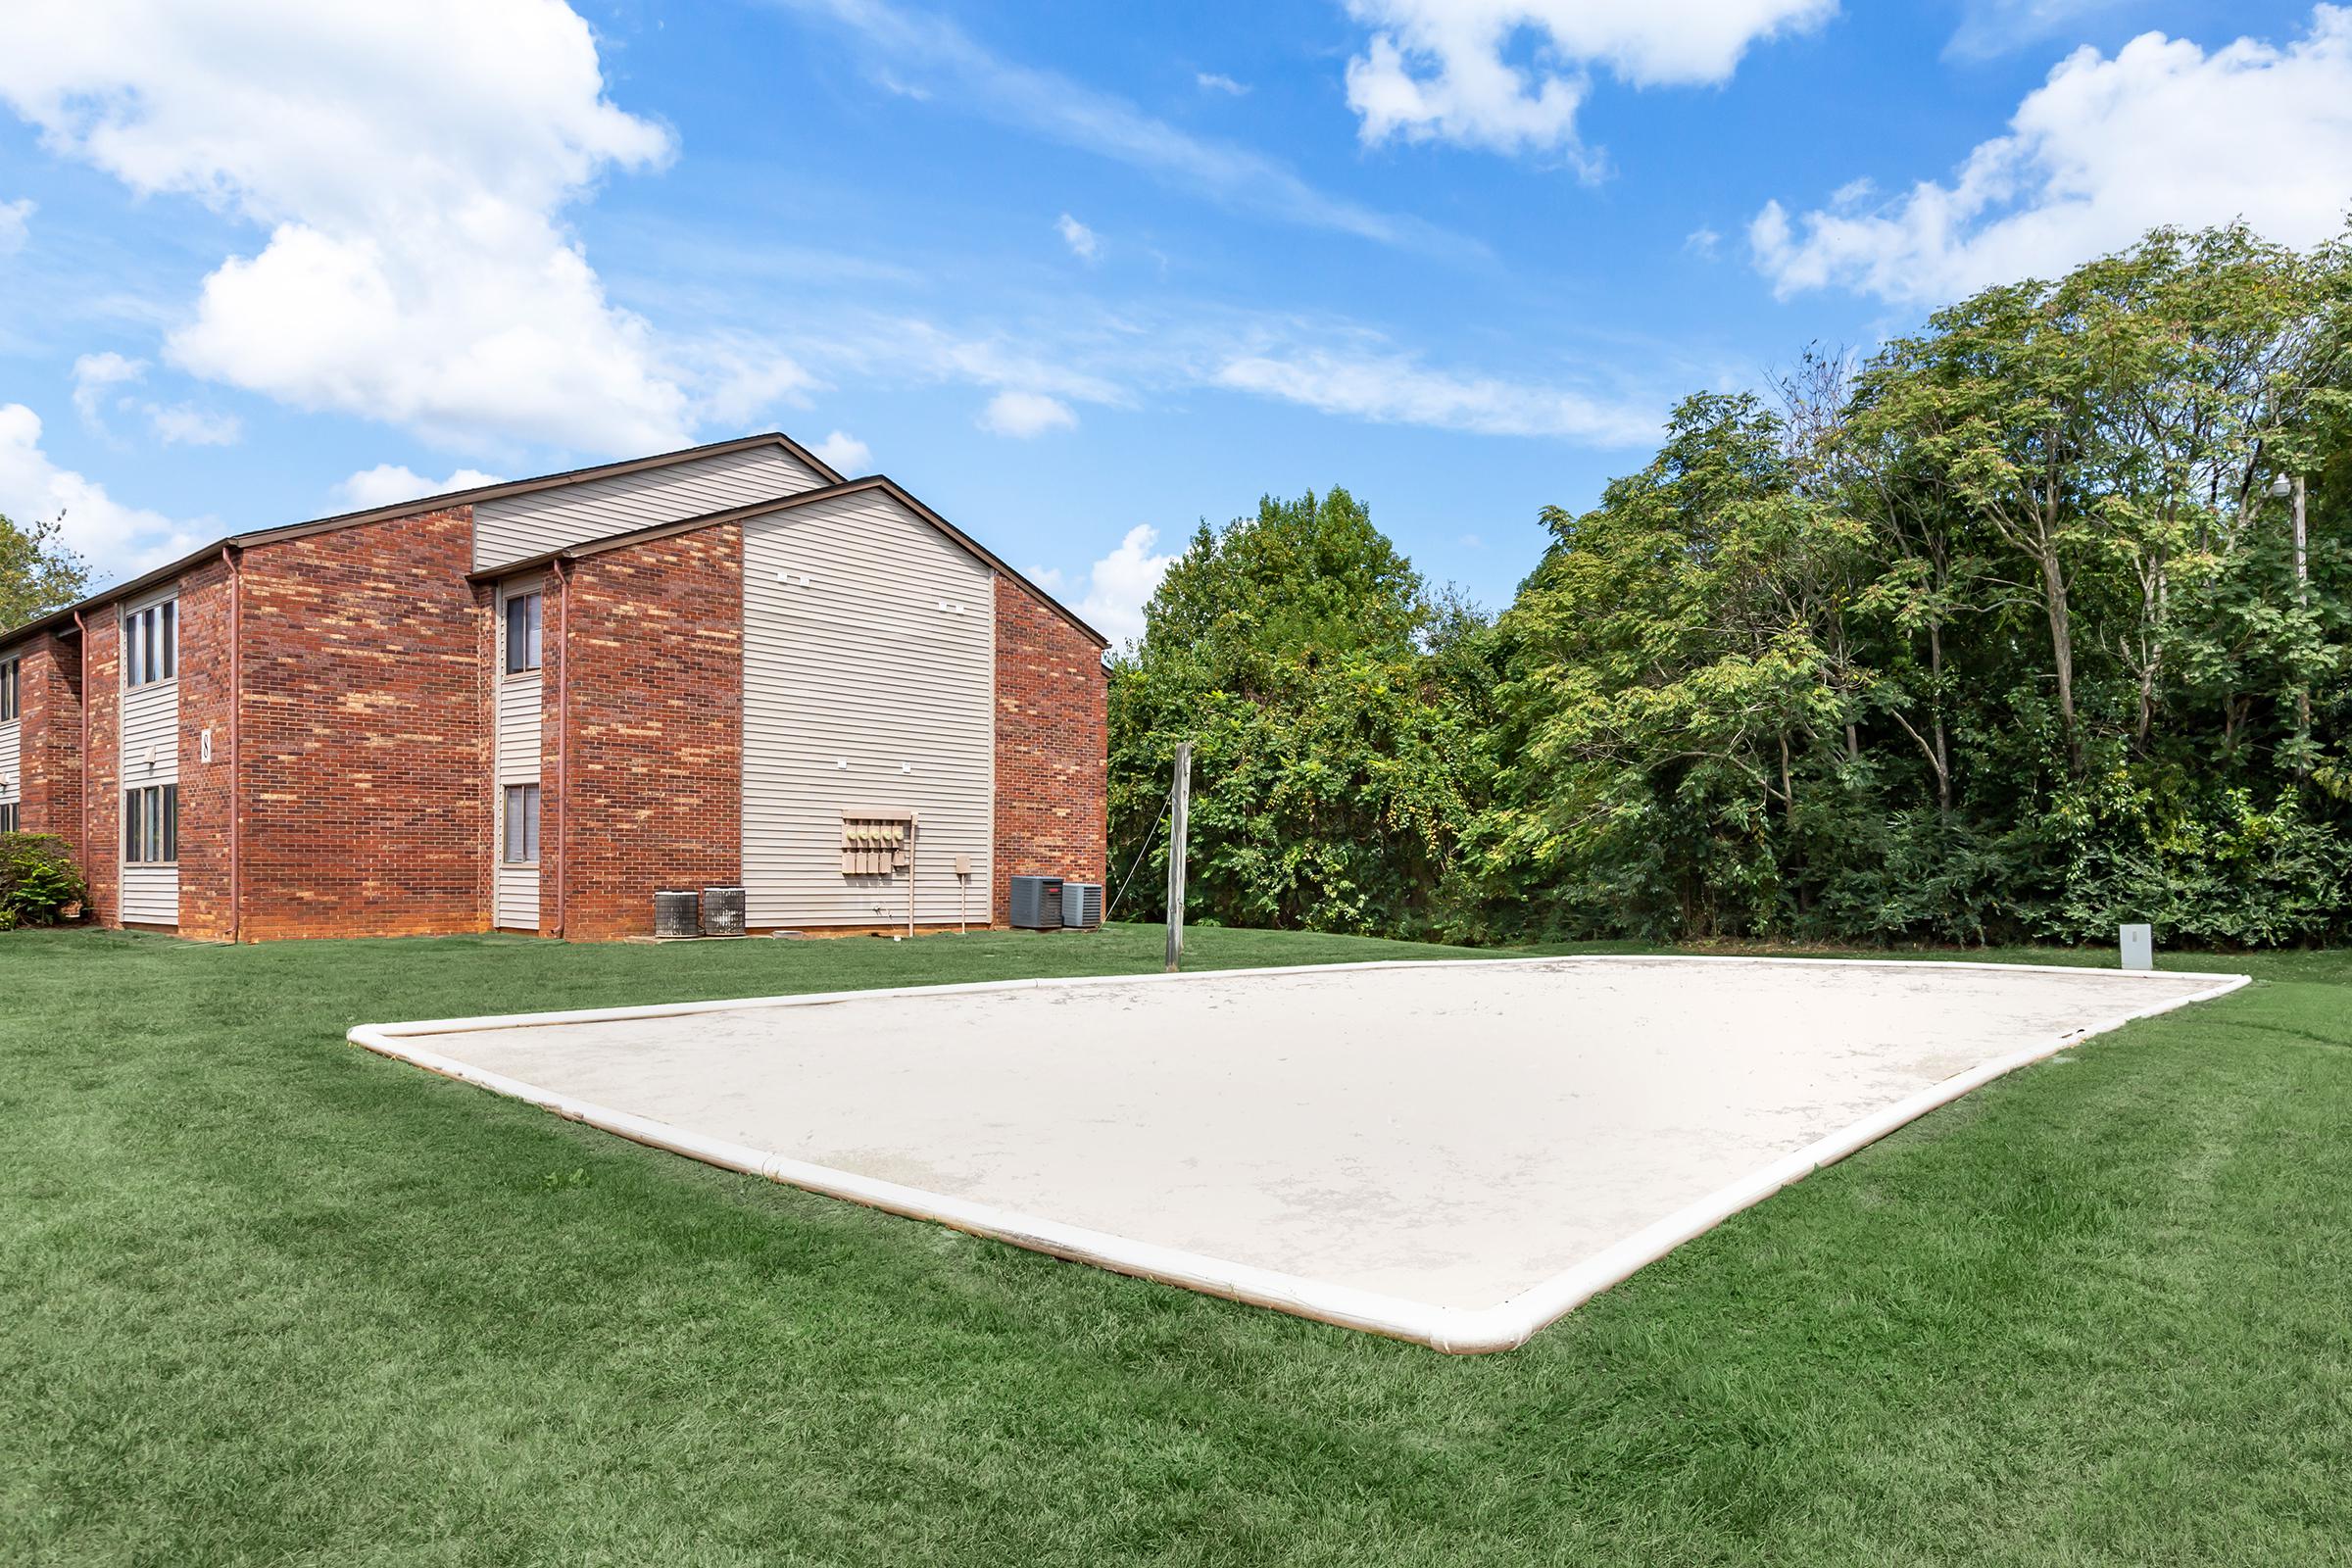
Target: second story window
523, 633
10, 689
151, 644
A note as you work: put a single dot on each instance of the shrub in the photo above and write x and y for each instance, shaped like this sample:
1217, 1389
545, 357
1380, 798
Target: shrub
37, 878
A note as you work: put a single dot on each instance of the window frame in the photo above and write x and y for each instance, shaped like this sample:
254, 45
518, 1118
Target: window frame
151, 643
533, 648
12, 689
532, 798
10, 822
151, 824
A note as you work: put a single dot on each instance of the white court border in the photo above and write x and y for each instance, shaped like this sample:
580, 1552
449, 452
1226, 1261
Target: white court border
1460, 1331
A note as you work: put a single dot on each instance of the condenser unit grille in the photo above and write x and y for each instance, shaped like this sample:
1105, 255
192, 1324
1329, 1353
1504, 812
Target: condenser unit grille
1081, 905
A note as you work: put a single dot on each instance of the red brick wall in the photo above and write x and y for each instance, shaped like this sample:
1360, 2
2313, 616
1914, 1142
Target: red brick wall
49, 737
1053, 735
102, 777
645, 780
203, 787
363, 738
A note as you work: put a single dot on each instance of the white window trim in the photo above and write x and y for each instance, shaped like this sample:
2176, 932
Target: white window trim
507, 593
505, 793
129, 790
123, 636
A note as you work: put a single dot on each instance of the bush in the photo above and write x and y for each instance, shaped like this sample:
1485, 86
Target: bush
37, 878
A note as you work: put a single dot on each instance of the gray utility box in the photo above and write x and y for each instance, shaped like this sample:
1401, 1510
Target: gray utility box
1036, 904
1081, 905
674, 914
722, 911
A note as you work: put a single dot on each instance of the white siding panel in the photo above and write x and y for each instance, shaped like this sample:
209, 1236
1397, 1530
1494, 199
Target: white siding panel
518, 729
149, 732
519, 897
516, 892
12, 778
520, 527
862, 665
151, 735
151, 895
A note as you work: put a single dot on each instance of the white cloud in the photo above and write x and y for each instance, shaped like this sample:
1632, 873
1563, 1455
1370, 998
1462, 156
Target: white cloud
1392, 388
1992, 27
390, 482
1023, 415
843, 453
1081, 240
118, 540
13, 218
924, 53
1703, 242
185, 424
744, 379
408, 164
2163, 133
1218, 81
97, 374
1117, 586
96, 377
1510, 74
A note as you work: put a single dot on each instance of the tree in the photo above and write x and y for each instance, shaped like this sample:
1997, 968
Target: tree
1330, 760
2000, 635
39, 573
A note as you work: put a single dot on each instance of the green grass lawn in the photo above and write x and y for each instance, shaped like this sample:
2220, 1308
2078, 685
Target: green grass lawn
267, 1298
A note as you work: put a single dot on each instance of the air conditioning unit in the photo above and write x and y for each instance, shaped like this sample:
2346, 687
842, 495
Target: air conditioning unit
674, 915
722, 911
1081, 905
1035, 903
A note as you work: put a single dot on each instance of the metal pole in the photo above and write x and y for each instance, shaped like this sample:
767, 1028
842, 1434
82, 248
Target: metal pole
1180, 808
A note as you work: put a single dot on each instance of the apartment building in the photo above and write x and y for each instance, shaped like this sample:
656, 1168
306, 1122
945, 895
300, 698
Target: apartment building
532, 705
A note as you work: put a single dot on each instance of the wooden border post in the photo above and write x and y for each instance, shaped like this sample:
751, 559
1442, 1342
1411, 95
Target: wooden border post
1180, 807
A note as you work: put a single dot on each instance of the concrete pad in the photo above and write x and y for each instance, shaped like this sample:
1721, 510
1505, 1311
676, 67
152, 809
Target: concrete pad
1449, 1150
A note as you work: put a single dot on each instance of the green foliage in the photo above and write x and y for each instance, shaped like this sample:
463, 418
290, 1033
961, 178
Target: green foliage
37, 879
38, 574
1299, 654
2002, 635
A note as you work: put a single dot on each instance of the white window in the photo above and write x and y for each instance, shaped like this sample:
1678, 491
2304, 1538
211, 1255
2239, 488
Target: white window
8, 817
151, 825
523, 824
523, 633
10, 689
151, 644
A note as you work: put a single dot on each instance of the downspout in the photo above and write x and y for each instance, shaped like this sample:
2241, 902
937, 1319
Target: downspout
563, 743
236, 775
81, 630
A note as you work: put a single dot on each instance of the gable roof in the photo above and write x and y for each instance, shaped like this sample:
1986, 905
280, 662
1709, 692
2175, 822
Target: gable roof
411, 509
881, 483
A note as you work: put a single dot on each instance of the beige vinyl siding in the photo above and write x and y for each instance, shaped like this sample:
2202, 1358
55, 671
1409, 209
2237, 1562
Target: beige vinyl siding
150, 737
520, 527
862, 665
519, 763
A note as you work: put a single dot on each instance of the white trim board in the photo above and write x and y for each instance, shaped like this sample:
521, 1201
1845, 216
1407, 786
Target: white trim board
1500, 1326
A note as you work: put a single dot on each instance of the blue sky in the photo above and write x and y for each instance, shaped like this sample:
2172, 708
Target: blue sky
1080, 276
